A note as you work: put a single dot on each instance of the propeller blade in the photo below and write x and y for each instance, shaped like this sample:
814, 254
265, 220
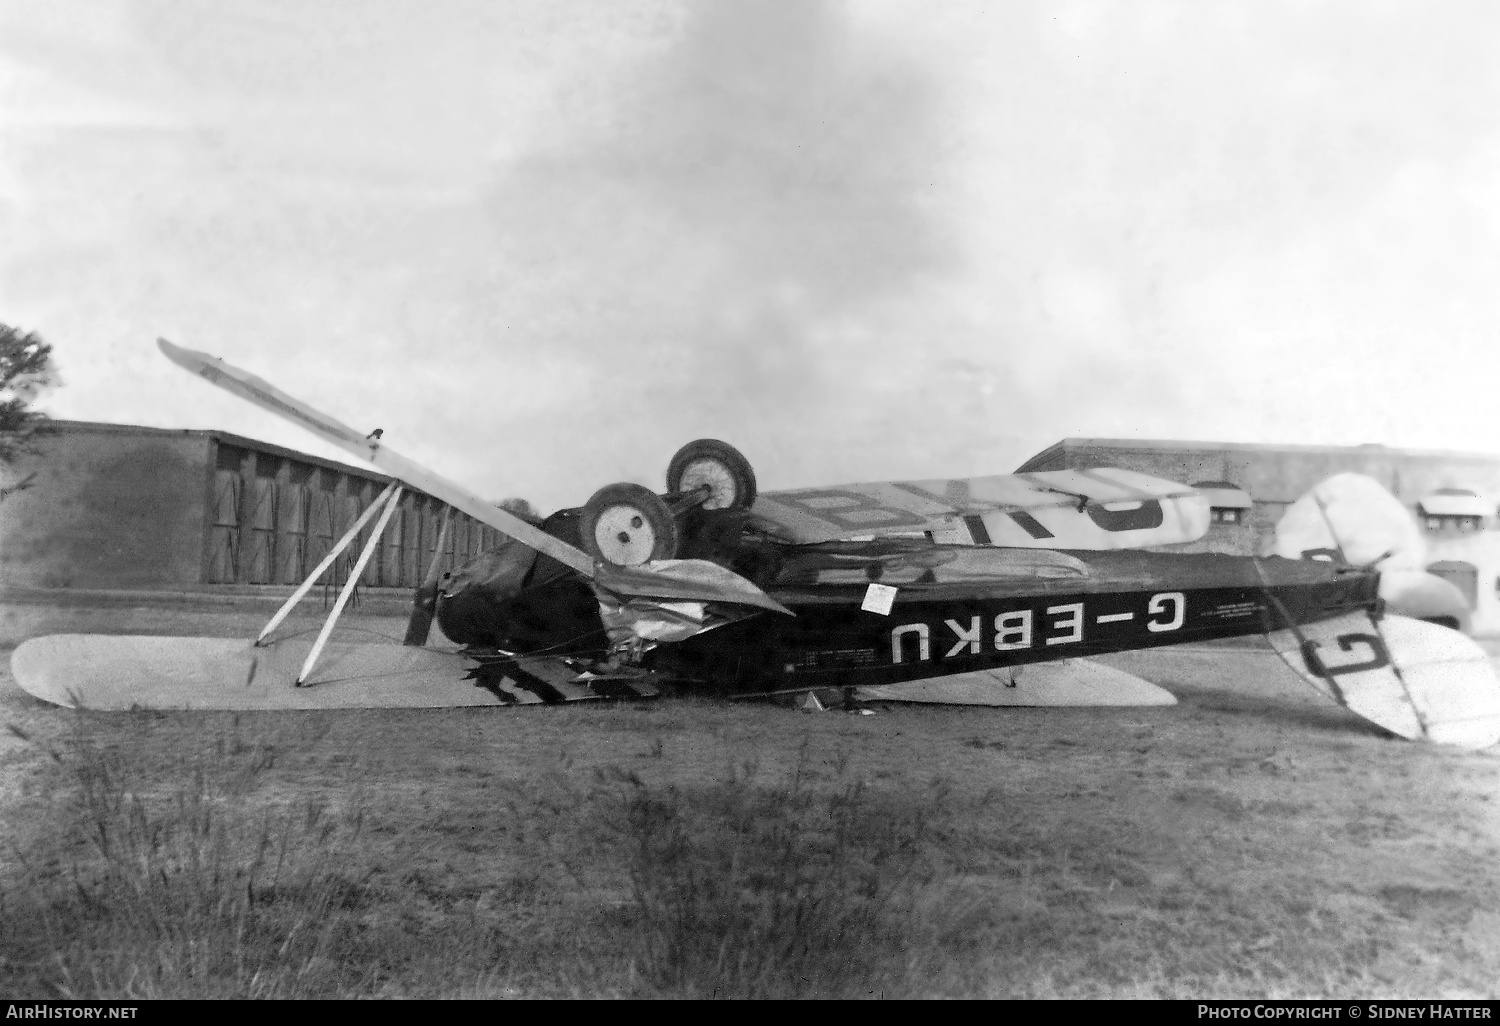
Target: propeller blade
424, 604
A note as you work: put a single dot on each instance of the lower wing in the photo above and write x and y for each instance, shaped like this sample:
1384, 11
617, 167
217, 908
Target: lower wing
118, 672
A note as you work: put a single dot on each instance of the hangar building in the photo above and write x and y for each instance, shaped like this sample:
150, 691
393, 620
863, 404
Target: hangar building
1452, 496
113, 507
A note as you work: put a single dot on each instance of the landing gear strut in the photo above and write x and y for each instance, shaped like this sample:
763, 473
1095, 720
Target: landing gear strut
628, 525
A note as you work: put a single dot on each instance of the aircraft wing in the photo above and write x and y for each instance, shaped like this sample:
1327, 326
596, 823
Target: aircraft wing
117, 672
685, 580
268, 397
1102, 508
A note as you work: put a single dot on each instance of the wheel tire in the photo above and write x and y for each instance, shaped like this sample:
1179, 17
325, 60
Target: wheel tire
717, 464
627, 525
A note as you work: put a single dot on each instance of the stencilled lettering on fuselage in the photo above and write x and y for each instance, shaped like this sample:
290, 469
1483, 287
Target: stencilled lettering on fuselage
1053, 625
1234, 610
833, 658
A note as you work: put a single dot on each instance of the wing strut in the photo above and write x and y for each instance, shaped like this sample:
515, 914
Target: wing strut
671, 575
268, 397
391, 502
333, 554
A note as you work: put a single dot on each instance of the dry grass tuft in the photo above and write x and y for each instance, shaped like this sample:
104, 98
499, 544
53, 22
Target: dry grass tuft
753, 890
1239, 845
180, 892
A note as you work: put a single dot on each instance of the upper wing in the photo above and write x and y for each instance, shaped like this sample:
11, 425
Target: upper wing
1103, 508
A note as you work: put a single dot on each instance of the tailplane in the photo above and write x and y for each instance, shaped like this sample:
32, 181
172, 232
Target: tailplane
1417, 680
1351, 518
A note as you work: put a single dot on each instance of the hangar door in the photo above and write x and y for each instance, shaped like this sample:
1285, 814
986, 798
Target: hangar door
273, 518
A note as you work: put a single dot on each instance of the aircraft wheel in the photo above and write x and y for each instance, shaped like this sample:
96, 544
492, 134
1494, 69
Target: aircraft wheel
627, 525
717, 464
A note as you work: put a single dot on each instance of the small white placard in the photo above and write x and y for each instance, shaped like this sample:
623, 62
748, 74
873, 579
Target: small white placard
878, 599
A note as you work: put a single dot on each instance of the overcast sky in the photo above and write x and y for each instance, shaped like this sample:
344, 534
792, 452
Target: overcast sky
542, 244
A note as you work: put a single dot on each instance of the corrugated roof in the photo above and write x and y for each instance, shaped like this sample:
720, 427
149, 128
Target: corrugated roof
1199, 446
223, 437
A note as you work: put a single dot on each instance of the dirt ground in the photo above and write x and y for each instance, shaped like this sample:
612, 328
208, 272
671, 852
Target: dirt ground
1253, 840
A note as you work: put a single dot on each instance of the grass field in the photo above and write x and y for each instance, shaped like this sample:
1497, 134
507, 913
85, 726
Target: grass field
1251, 841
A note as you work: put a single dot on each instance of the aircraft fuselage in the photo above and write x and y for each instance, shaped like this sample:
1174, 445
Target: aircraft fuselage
897, 609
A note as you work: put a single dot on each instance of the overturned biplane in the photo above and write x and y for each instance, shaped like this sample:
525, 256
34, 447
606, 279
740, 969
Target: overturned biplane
880, 590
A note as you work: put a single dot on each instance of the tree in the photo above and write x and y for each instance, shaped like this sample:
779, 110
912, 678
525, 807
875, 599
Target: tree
25, 369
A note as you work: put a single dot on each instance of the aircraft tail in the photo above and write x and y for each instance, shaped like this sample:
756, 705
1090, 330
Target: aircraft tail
1351, 518
1419, 680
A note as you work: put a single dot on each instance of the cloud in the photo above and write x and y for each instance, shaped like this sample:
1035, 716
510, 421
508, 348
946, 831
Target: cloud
544, 243
723, 238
